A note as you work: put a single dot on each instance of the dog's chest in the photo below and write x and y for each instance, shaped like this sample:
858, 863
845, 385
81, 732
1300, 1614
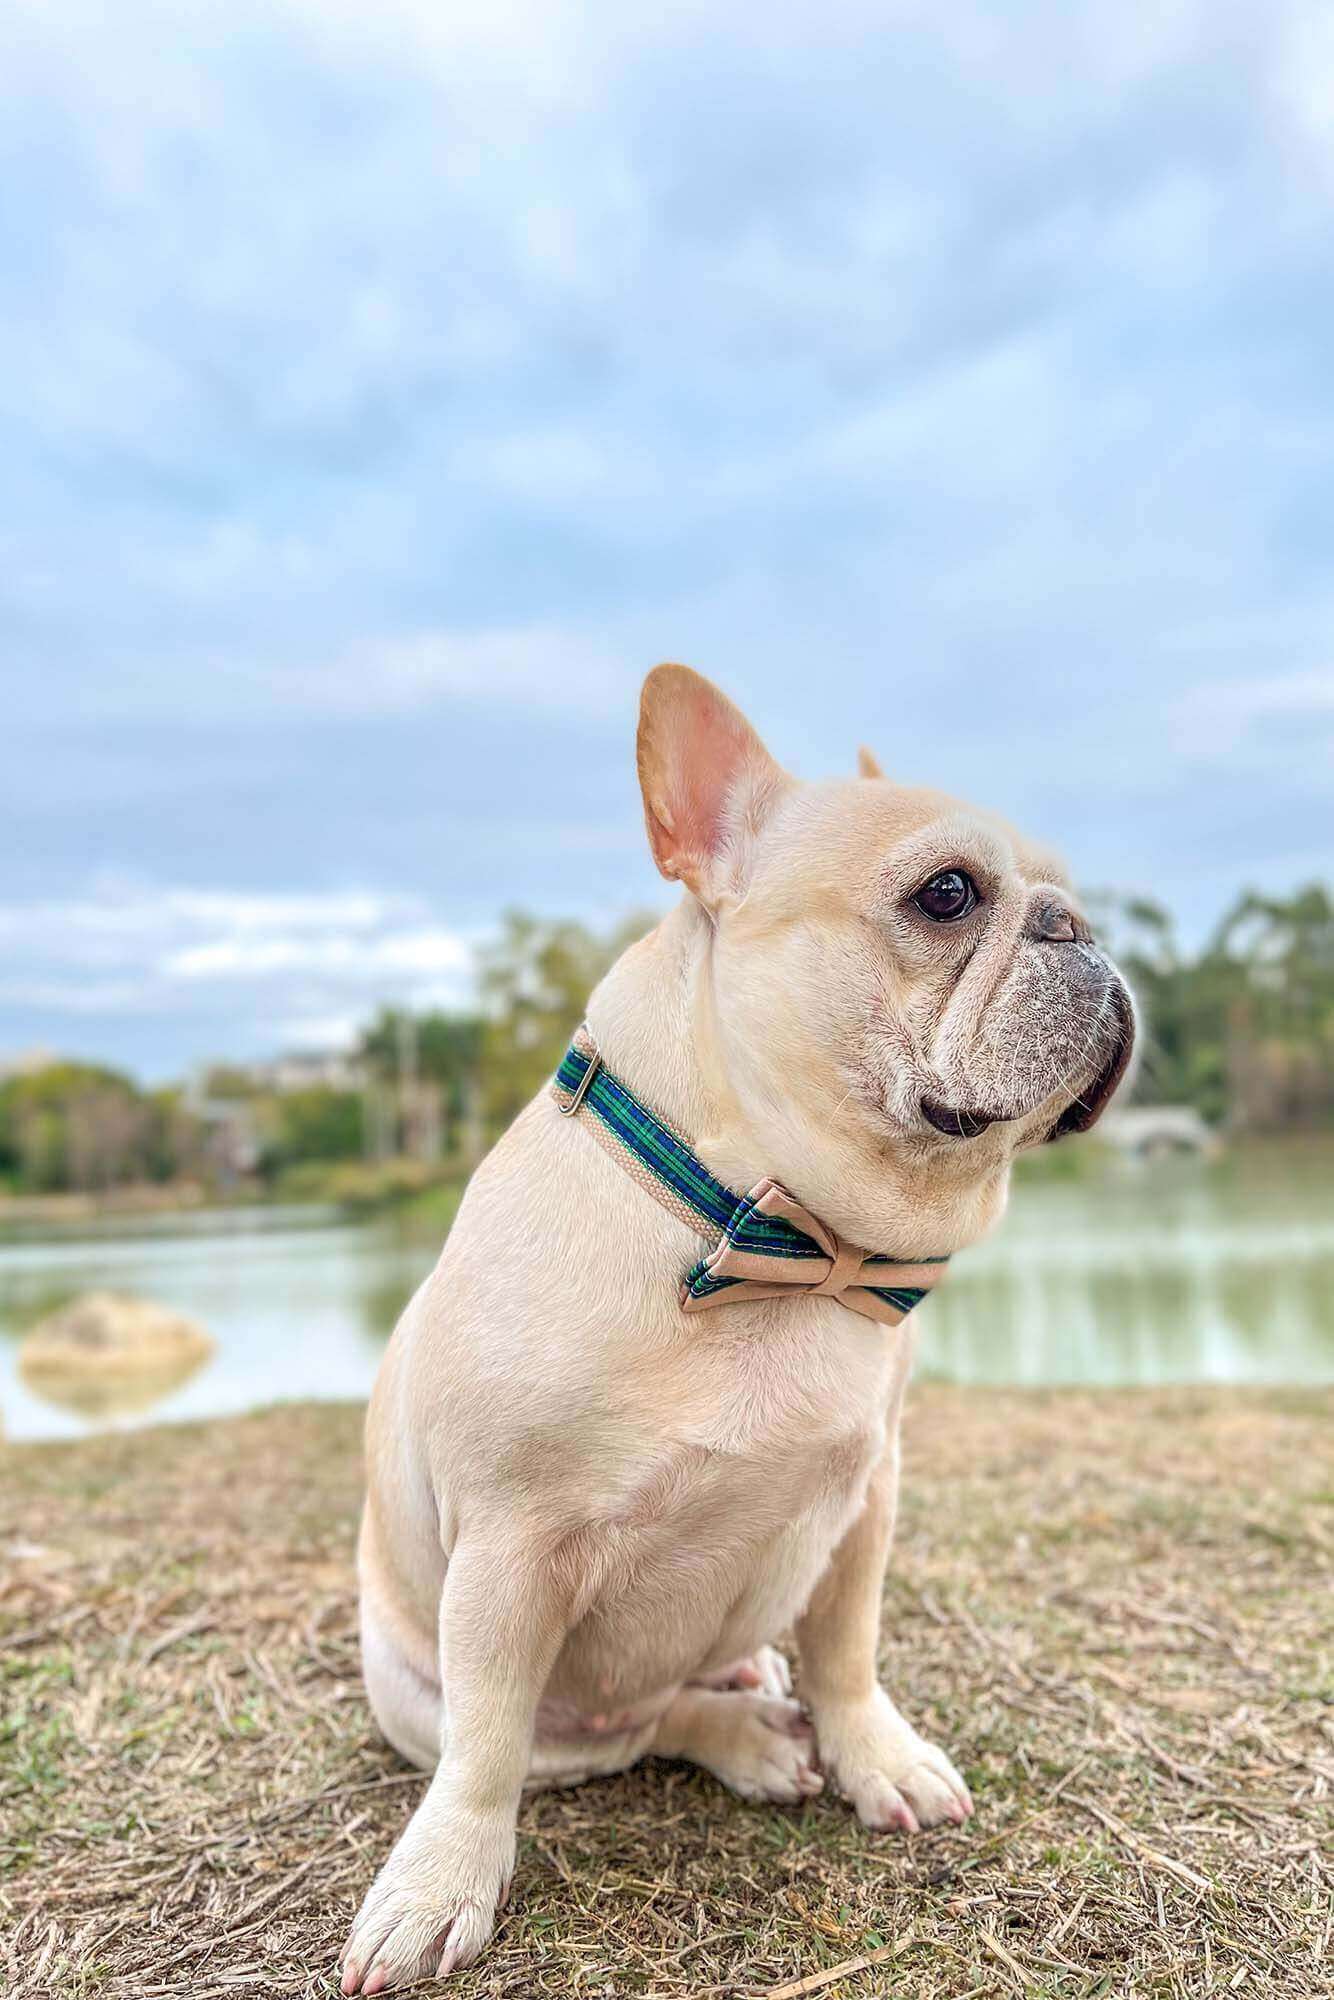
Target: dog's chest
723, 1529
802, 1379
715, 1554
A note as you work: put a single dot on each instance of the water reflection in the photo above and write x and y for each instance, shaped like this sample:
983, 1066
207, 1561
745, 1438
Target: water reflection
1183, 1271
380, 1302
99, 1397
1176, 1272
295, 1312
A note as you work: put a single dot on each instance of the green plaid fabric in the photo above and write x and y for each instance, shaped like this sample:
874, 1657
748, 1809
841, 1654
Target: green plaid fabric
718, 1207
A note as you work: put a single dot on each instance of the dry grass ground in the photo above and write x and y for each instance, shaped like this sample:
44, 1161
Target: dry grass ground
1114, 1609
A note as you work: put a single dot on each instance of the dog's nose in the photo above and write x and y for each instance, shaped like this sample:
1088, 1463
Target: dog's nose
1050, 921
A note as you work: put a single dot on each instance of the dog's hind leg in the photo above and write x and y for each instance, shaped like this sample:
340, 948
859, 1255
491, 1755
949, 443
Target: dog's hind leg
766, 1671
759, 1745
406, 1702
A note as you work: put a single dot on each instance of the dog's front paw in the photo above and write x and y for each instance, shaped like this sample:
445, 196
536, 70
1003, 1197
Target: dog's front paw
433, 1905
891, 1775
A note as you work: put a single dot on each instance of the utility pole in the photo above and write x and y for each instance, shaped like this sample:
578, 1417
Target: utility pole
409, 1137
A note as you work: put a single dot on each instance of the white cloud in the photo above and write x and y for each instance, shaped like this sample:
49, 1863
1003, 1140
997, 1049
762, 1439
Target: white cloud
321, 1031
354, 910
385, 388
365, 960
1303, 91
537, 666
75, 996
123, 908
138, 948
1217, 719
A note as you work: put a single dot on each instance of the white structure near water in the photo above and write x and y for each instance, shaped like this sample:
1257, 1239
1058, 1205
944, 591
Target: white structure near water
1144, 1130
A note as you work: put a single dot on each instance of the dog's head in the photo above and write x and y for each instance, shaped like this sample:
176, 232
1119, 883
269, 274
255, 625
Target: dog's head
886, 965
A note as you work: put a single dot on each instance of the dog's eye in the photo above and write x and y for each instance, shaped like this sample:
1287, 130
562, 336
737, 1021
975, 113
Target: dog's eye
946, 896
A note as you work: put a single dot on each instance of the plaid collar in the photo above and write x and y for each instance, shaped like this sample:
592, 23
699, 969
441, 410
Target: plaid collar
768, 1245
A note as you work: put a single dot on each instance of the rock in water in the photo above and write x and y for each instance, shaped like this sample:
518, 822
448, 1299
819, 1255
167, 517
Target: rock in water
106, 1335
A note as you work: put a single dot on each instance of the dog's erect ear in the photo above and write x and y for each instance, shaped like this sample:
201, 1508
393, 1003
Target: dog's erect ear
868, 764
706, 777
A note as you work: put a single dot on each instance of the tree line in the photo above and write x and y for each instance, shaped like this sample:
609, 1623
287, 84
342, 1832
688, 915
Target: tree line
1242, 1029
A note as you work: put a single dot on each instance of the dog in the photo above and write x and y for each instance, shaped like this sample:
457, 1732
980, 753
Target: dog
591, 1511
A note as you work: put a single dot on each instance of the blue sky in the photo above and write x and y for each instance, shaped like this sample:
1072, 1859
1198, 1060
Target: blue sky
384, 390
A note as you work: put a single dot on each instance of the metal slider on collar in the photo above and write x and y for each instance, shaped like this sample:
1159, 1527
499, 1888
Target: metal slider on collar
583, 1087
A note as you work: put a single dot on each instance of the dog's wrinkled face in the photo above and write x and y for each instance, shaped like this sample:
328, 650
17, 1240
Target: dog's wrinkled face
880, 954
959, 985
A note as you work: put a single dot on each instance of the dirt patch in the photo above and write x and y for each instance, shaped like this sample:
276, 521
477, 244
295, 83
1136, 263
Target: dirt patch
1115, 1610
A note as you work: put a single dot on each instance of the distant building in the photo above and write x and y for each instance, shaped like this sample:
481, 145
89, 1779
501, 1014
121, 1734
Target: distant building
297, 1069
306, 1069
232, 1144
226, 1101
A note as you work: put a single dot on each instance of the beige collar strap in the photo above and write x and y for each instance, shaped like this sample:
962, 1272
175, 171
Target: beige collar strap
767, 1245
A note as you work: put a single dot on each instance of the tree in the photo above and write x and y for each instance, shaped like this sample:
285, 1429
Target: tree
424, 1071
1244, 1030
447, 1049
535, 980
74, 1125
317, 1123
1280, 1024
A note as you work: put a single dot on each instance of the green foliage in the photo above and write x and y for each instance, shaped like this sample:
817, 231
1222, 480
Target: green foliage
445, 1049
1244, 1030
317, 1123
75, 1125
225, 1081
365, 1185
535, 979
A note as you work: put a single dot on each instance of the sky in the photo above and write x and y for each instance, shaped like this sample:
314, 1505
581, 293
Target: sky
383, 390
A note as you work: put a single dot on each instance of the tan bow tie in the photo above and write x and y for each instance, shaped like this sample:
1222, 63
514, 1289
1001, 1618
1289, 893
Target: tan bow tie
755, 1262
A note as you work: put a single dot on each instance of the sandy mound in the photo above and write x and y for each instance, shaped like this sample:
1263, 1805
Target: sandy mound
106, 1335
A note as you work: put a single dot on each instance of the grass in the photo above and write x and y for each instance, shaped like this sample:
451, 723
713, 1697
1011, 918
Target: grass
365, 1187
1115, 1610
431, 1192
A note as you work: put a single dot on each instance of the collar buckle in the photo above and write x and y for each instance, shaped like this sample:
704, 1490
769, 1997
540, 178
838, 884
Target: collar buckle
582, 1088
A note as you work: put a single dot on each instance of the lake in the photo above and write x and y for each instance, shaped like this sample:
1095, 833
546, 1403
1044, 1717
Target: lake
1102, 1273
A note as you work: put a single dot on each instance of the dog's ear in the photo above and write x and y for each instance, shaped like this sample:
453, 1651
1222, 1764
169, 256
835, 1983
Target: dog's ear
868, 764
707, 781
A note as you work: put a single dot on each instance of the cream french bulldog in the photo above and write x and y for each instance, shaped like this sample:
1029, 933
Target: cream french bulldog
590, 1512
